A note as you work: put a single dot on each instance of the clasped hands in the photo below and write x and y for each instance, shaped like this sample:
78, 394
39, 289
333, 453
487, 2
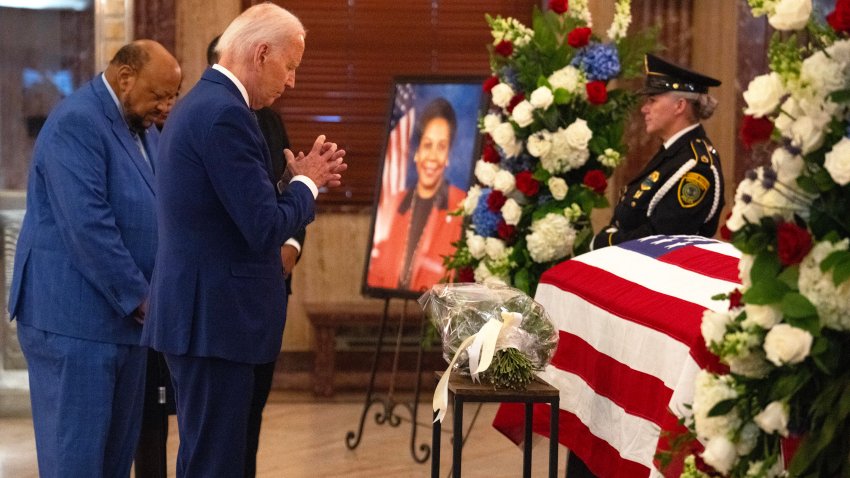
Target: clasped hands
323, 164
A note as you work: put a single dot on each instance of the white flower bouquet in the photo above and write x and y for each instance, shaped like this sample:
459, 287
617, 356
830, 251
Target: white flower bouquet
492, 332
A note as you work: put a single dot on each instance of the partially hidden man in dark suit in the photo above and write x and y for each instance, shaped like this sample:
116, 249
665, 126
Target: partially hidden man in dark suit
84, 260
680, 191
218, 297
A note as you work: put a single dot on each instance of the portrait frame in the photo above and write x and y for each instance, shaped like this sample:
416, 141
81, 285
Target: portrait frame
391, 270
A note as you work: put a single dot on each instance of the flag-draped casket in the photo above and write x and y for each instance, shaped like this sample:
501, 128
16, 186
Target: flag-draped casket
630, 346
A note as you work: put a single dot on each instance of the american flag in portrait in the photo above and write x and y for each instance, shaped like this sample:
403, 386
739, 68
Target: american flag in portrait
394, 177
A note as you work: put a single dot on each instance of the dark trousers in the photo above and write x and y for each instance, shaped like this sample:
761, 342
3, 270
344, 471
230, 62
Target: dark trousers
576, 468
213, 403
263, 374
151, 454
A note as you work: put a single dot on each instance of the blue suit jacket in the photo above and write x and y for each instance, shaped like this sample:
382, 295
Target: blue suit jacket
218, 287
88, 240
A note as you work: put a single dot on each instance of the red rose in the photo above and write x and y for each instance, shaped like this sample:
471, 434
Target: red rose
755, 130
496, 200
559, 6
597, 94
517, 99
505, 48
793, 243
489, 154
526, 183
595, 180
735, 299
839, 19
579, 37
489, 83
506, 232
465, 274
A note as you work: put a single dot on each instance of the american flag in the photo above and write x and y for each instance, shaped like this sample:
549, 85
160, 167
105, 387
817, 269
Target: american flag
394, 177
630, 347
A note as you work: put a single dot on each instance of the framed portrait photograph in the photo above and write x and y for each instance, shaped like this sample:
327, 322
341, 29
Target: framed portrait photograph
431, 145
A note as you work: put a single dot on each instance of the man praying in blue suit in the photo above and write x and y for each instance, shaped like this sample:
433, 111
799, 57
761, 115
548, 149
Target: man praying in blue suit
218, 294
84, 261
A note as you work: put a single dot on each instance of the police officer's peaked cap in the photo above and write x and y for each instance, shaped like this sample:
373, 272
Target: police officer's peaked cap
663, 76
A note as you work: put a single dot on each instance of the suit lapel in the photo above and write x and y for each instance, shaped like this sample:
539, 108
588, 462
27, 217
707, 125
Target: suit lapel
122, 133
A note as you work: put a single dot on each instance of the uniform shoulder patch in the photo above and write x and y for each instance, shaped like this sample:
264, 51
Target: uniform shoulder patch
692, 189
703, 151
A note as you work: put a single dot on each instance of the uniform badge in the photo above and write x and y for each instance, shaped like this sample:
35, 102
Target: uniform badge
692, 189
649, 181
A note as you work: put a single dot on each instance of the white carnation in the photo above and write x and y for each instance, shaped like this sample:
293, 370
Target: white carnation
558, 187
502, 94
790, 14
713, 326
542, 98
551, 238
512, 149
539, 144
764, 316
838, 162
763, 94
720, 454
511, 212
774, 418
831, 302
785, 344
491, 121
482, 272
504, 135
788, 166
710, 390
568, 78
822, 74
485, 172
807, 132
476, 244
504, 181
471, 200
523, 114
751, 364
495, 248
578, 135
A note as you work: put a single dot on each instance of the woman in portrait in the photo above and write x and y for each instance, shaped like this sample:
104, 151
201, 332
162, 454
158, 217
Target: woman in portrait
421, 230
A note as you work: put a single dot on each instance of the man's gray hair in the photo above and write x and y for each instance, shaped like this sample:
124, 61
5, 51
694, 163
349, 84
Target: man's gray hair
263, 23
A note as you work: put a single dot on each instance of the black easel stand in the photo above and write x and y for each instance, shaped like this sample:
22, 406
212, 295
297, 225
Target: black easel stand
388, 412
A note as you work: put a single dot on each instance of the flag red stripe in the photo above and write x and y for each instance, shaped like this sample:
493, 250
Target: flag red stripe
634, 303
703, 262
600, 457
638, 393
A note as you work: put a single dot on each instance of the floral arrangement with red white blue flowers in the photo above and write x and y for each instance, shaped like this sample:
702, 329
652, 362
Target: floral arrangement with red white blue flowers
551, 138
785, 402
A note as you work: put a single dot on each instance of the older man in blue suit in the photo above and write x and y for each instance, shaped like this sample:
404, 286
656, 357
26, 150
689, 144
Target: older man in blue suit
84, 260
218, 298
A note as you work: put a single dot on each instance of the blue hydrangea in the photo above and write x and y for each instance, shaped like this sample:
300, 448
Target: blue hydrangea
523, 162
599, 61
485, 220
509, 76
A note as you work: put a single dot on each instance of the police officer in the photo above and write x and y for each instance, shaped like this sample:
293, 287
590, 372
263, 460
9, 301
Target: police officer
681, 189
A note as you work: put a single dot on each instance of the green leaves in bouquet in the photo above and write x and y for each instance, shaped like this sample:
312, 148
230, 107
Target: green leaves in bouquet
839, 263
767, 288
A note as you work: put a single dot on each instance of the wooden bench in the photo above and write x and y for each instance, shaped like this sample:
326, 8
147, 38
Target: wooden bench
328, 317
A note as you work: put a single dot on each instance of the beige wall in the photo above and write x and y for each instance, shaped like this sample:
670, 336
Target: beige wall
716, 52
198, 22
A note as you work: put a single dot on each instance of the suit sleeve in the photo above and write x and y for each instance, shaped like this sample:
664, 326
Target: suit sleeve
235, 165
75, 175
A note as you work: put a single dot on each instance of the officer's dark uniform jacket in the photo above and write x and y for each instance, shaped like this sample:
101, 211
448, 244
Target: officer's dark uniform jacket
679, 192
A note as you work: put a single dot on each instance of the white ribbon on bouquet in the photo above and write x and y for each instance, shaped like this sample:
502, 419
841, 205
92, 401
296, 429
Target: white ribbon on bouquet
480, 347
